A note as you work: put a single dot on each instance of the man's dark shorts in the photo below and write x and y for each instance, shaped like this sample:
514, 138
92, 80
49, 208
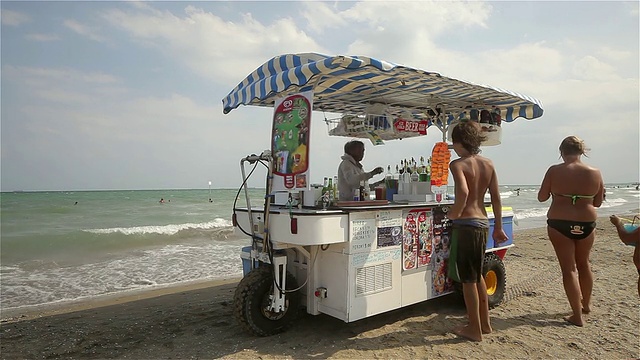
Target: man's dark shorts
468, 244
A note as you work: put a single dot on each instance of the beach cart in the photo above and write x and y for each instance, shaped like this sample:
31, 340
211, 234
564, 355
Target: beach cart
355, 259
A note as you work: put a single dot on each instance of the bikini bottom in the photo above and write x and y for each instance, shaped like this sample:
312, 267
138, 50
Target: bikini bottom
575, 230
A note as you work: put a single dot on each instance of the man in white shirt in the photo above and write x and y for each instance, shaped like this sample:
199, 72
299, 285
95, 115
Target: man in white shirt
350, 172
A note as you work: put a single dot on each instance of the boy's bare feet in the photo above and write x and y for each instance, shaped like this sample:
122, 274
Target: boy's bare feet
574, 320
487, 330
468, 333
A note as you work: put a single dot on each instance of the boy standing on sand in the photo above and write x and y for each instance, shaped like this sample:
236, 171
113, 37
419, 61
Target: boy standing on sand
473, 176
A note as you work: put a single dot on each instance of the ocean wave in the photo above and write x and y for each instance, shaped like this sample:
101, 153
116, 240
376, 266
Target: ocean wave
503, 195
613, 202
531, 213
153, 268
170, 229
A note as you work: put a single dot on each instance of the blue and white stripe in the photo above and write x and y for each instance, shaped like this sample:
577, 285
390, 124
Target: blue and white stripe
348, 84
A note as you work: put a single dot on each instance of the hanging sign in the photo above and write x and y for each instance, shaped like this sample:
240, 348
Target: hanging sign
411, 126
290, 141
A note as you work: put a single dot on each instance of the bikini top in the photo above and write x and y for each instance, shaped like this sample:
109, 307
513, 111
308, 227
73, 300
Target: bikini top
575, 198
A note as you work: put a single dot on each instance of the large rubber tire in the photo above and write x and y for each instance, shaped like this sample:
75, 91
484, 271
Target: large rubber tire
251, 301
495, 276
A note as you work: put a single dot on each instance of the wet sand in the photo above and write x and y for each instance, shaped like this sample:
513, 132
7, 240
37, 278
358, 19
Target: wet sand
196, 320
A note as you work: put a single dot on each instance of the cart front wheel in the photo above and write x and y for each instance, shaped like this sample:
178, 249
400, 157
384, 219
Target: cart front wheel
495, 276
252, 299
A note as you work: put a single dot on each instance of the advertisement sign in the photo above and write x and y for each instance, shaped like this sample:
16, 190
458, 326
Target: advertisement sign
290, 141
411, 126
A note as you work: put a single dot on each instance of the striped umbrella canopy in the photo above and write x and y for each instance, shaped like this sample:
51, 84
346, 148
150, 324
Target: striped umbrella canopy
352, 84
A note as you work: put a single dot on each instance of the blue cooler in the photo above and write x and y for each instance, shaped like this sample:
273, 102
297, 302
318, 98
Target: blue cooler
507, 226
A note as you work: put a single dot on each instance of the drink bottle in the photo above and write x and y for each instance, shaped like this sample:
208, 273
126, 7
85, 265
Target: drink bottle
423, 170
325, 193
406, 180
415, 177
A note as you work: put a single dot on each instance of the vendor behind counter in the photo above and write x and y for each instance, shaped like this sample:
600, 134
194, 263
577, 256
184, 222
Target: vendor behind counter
350, 171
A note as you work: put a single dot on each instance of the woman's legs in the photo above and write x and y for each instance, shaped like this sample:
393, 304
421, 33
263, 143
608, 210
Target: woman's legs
566, 254
585, 277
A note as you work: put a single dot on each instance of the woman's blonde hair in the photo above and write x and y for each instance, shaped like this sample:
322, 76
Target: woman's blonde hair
573, 145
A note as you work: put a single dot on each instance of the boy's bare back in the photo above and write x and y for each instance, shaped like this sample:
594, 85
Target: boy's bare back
474, 174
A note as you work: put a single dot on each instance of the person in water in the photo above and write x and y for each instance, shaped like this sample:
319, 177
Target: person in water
576, 190
631, 238
473, 175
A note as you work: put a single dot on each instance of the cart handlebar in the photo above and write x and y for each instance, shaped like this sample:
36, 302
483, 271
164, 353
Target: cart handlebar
265, 155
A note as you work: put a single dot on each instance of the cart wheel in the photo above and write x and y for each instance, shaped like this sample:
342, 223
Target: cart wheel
495, 276
251, 301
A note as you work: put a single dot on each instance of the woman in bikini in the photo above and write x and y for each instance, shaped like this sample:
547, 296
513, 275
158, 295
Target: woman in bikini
576, 190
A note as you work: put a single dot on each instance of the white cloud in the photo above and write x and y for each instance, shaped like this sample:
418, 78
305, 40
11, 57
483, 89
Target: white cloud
320, 15
615, 54
403, 32
84, 103
84, 30
38, 74
212, 47
14, 18
590, 68
406, 19
42, 37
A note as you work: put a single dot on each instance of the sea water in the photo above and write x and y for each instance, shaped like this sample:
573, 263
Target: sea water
63, 246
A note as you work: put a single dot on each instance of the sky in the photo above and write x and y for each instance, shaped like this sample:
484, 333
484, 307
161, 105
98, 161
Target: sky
99, 95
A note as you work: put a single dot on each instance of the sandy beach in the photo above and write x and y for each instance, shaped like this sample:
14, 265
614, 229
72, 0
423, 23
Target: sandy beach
196, 321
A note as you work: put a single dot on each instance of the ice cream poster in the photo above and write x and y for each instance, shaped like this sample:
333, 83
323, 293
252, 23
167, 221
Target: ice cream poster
410, 241
290, 141
417, 244
441, 284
